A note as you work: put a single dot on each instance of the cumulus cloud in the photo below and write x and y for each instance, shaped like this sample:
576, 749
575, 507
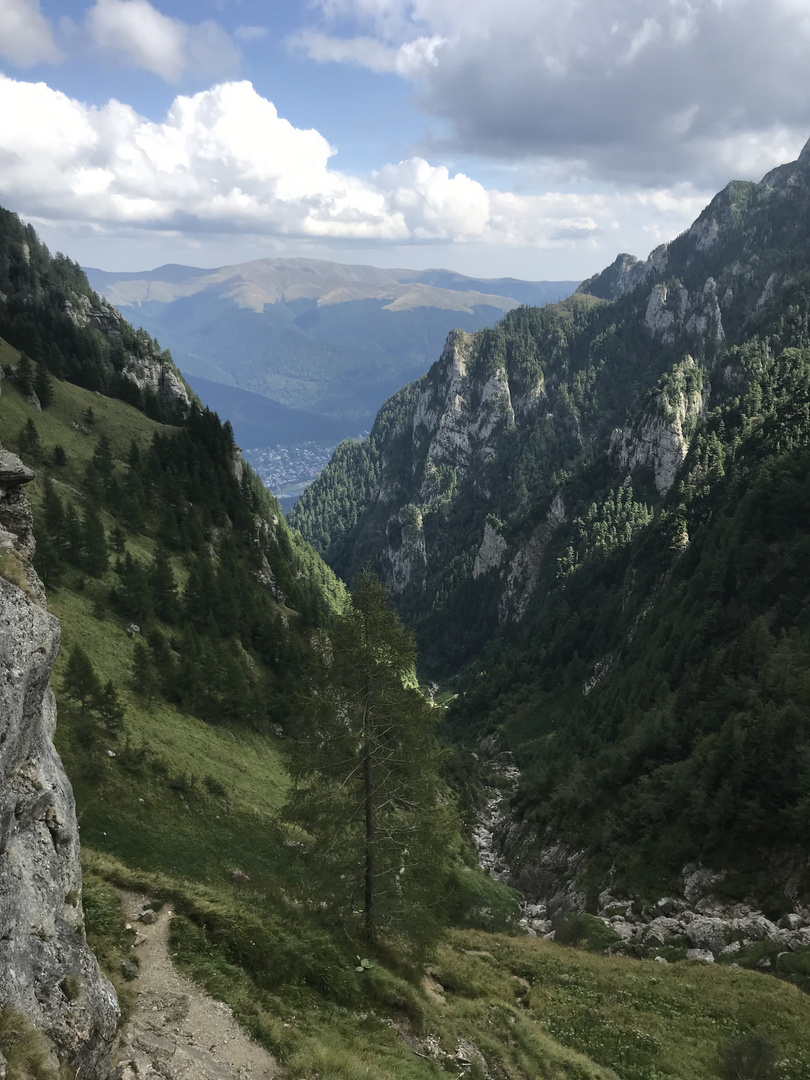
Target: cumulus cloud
223, 160
406, 59
651, 92
25, 34
136, 33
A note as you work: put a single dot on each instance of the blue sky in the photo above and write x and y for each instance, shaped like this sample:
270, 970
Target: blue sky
495, 137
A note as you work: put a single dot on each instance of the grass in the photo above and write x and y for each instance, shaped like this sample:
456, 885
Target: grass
63, 421
182, 803
12, 569
26, 1051
642, 1019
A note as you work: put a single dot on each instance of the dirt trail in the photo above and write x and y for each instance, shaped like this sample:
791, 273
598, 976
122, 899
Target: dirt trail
176, 1031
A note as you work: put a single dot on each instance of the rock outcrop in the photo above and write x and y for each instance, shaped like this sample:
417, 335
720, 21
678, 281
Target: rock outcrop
47, 970
658, 439
143, 366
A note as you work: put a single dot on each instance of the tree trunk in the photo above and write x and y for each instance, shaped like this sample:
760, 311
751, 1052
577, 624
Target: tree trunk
371, 930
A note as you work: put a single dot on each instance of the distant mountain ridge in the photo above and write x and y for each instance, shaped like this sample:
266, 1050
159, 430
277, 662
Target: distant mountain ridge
270, 281
326, 338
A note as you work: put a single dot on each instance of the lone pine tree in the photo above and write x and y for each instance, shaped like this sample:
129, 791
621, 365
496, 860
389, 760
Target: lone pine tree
367, 787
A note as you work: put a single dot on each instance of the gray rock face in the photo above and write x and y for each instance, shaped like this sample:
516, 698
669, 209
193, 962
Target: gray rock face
148, 372
490, 552
47, 971
659, 439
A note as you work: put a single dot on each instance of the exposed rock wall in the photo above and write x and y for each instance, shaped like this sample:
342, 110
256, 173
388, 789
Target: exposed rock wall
659, 437
148, 371
47, 971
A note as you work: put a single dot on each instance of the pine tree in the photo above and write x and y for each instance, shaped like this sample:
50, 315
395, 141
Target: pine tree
80, 681
367, 778
24, 376
110, 709
43, 385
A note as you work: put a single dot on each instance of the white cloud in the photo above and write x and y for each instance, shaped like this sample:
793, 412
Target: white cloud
136, 33
648, 92
25, 34
250, 33
406, 59
224, 161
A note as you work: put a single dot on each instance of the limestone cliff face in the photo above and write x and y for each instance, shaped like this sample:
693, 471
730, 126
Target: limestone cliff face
658, 438
147, 369
521, 573
458, 410
47, 970
458, 418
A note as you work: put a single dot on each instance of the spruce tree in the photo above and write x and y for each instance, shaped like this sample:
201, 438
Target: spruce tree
164, 587
24, 376
367, 786
80, 681
28, 440
110, 709
53, 512
94, 543
145, 679
43, 386
72, 545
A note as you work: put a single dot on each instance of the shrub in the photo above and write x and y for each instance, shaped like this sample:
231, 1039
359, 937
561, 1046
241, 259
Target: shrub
584, 931
751, 1057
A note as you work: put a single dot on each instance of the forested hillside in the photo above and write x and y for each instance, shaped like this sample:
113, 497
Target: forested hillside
208, 691
598, 512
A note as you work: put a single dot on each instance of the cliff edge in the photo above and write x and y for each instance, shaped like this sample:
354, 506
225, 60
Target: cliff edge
47, 970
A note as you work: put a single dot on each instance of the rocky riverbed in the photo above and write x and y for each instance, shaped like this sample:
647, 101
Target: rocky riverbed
694, 923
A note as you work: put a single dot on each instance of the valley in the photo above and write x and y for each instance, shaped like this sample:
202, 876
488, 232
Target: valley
568, 837
299, 351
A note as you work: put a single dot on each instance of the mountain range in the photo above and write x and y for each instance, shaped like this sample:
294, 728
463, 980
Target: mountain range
319, 337
594, 516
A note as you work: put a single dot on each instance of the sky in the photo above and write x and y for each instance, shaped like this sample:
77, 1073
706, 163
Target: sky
524, 138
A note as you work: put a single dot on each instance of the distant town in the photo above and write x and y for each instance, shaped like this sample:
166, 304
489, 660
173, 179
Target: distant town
287, 470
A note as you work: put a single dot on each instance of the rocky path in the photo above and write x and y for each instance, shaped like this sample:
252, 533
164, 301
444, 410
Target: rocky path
176, 1031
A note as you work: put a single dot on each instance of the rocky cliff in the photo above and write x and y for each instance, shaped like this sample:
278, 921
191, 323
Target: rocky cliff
610, 383
142, 362
47, 971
